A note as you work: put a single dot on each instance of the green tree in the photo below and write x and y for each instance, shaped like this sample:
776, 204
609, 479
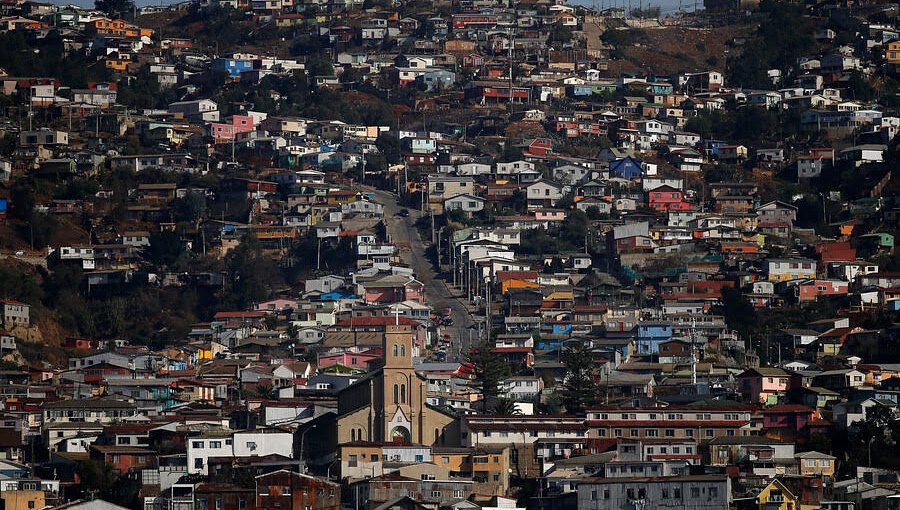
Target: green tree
575, 227
578, 390
191, 207
251, 273
389, 146
739, 314
42, 228
488, 371
505, 407
115, 8
19, 286
165, 248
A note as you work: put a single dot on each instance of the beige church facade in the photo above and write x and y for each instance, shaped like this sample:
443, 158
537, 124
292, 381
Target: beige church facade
389, 404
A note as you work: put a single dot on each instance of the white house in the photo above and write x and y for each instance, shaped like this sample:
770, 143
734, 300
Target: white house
15, 313
466, 203
254, 443
543, 193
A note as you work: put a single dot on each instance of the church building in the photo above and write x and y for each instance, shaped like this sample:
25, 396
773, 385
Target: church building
389, 404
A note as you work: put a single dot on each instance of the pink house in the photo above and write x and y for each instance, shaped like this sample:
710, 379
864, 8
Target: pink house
227, 131
792, 422
763, 385
667, 198
394, 289
358, 360
810, 290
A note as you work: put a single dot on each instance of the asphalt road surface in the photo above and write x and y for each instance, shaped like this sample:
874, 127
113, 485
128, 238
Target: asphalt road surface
402, 231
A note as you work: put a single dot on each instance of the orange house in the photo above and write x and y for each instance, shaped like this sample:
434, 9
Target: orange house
517, 284
118, 62
119, 28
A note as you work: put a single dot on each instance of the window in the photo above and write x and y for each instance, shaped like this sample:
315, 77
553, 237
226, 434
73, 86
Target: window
605, 493
198, 463
215, 444
713, 492
286, 490
197, 444
435, 494
629, 493
708, 432
810, 463
676, 492
695, 492
665, 493
670, 432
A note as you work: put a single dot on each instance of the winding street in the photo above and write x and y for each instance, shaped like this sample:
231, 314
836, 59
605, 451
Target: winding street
403, 232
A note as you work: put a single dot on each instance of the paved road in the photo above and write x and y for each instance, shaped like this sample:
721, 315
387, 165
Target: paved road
402, 231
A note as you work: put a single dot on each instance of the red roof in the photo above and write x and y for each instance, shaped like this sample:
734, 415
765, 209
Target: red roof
13, 302
502, 276
788, 408
240, 315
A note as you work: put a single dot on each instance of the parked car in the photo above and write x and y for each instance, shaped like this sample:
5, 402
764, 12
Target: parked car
404, 213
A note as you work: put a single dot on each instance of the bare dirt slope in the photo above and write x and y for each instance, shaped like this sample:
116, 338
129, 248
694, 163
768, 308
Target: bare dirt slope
670, 50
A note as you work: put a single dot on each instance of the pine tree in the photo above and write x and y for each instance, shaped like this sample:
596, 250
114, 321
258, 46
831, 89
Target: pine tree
579, 390
488, 371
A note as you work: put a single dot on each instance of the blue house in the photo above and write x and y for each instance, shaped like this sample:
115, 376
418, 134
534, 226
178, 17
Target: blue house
627, 168
650, 335
711, 147
233, 66
336, 295
660, 87
579, 90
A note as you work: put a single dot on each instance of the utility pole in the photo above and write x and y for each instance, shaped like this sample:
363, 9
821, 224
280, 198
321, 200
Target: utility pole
487, 309
511, 42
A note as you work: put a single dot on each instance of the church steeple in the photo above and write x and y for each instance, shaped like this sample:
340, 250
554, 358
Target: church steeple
398, 346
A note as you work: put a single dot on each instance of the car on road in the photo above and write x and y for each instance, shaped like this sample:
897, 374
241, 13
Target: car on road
20, 253
447, 321
404, 213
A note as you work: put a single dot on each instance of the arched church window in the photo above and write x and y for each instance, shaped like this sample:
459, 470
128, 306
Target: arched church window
396, 394
395, 349
403, 393
402, 350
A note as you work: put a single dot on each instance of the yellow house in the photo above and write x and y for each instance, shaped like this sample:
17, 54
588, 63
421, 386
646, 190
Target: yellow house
341, 197
892, 54
22, 500
488, 468
777, 497
792, 493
